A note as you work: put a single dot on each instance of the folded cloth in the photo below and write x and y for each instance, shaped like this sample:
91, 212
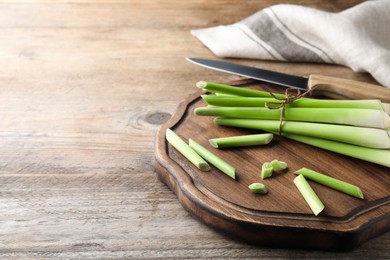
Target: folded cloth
358, 37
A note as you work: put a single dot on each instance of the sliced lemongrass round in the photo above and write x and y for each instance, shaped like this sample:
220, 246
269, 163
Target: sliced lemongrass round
186, 151
258, 187
266, 170
278, 165
213, 159
331, 182
309, 195
243, 140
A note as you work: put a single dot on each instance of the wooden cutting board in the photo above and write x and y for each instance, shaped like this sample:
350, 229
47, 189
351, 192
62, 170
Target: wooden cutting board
280, 218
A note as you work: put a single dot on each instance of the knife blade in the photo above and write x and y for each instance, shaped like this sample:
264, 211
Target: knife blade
319, 85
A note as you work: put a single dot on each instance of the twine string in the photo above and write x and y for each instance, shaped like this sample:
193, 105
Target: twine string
282, 102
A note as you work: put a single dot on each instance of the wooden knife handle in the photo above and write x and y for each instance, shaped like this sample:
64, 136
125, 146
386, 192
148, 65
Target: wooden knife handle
346, 89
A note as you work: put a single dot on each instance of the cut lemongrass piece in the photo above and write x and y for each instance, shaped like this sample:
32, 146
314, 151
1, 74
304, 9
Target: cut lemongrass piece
258, 188
266, 170
236, 101
309, 195
362, 136
186, 151
238, 91
278, 165
378, 156
213, 159
243, 140
331, 182
343, 116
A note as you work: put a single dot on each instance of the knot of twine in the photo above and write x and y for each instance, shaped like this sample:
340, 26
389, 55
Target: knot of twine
281, 104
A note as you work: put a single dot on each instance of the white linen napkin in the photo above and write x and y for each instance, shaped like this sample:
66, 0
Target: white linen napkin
358, 37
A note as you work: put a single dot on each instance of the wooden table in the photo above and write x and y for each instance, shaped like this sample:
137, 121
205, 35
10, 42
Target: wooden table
84, 87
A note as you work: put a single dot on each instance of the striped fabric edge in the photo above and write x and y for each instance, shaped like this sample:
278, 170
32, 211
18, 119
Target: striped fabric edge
264, 29
258, 41
296, 38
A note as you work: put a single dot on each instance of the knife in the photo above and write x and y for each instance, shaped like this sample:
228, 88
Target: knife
318, 85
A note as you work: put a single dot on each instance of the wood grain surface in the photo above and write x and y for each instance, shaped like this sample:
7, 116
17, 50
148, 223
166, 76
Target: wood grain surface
84, 87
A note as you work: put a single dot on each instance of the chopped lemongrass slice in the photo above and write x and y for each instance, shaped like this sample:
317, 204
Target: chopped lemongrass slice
278, 165
243, 140
186, 151
331, 182
213, 159
362, 136
343, 116
258, 188
238, 91
309, 195
266, 170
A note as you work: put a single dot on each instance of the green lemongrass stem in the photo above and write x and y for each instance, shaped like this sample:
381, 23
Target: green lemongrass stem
186, 151
230, 101
225, 95
237, 91
243, 140
266, 170
331, 182
345, 116
309, 195
362, 136
258, 187
213, 159
378, 156
278, 165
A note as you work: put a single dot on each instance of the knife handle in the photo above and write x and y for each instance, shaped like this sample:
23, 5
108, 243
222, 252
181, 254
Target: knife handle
346, 89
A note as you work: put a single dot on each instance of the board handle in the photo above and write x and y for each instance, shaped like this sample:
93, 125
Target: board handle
346, 89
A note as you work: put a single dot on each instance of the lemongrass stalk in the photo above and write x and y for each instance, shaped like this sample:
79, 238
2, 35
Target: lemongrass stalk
386, 107
238, 91
309, 195
362, 136
278, 165
344, 116
258, 187
331, 103
243, 140
225, 95
235, 101
331, 182
186, 151
266, 170
238, 112
213, 159
378, 156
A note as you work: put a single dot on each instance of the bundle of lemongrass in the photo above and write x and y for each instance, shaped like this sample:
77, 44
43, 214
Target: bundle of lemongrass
356, 128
